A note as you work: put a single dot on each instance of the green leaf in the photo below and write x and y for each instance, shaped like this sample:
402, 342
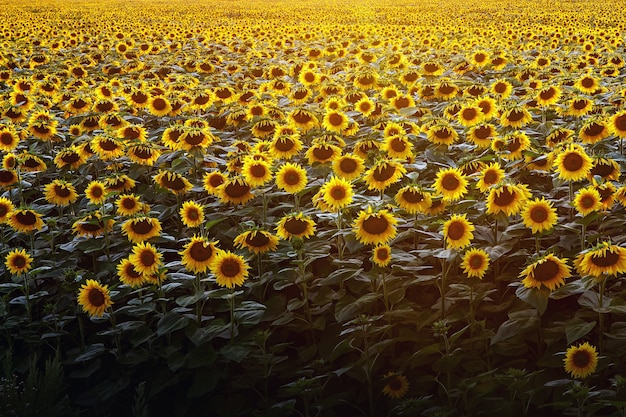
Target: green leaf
537, 298
170, 323
91, 351
577, 328
518, 323
235, 353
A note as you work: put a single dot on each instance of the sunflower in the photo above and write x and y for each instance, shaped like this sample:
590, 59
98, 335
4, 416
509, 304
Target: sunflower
450, 183
364, 146
173, 182
469, 115
374, 228
142, 154
94, 298
397, 385
618, 124
365, 106
18, 261
587, 84
516, 116
475, 263
539, 215
337, 193
141, 228
398, 147
128, 275
366, 79
548, 96
291, 178
256, 241
107, 147
128, 205
348, 166
501, 88
295, 225
490, 175
191, 214
578, 106
303, 119
573, 163
446, 90
31, 163
335, 121
9, 139
322, 152
229, 269
256, 172
457, 231
92, 225
442, 133
69, 157
581, 361
285, 147
194, 137
549, 271
516, 143
603, 259
96, 192
557, 136
212, 180
234, 191
606, 168
159, 106
6, 208
413, 199
383, 174
198, 254
8, 177
507, 198
145, 258
25, 220
594, 130
9, 161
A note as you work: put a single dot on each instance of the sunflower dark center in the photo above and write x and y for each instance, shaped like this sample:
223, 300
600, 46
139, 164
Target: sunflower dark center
173, 182
258, 171
70, 158
108, 144
594, 129
456, 230
500, 88
581, 359
384, 172
476, 261
607, 260
579, 104
335, 119
450, 182
375, 225
301, 117
398, 145
224, 93
142, 227
620, 123
292, 178
230, 268
199, 252
26, 218
323, 153
42, 129
91, 227
257, 240
572, 162
6, 176
382, 253
431, 67
265, 127
546, 271
443, 133
236, 190
539, 214
19, 262
482, 132
366, 80
284, 144
95, 297
300, 94
338, 192
412, 196
587, 82
548, 93
147, 258
194, 138
504, 198
6, 138
202, 100
4, 209
348, 165
412, 76
446, 89
469, 114
514, 145
139, 97
216, 180
401, 102
296, 226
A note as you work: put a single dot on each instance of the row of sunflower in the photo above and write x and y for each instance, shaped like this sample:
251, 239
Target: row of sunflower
231, 208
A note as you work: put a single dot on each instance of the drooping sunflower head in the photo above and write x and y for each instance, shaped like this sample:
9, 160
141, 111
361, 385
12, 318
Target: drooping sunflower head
605, 259
581, 361
507, 198
295, 225
256, 241
173, 182
374, 228
234, 191
230, 270
92, 225
383, 174
413, 199
516, 116
549, 271
594, 130
6, 208
60, 193
94, 298
25, 220
141, 228
458, 231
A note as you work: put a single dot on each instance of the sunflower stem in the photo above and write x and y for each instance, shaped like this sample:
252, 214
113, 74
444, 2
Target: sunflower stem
264, 208
198, 304
340, 245
416, 236
442, 289
231, 305
385, 294
583, 237
601, 315
571, 200
27, 295
537, 242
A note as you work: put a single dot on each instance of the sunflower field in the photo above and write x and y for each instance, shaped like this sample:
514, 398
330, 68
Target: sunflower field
321, 208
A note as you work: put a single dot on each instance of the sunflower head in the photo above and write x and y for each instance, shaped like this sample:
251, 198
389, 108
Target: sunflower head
230, 270
581, 361
549, 271
18, 261
94, 298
